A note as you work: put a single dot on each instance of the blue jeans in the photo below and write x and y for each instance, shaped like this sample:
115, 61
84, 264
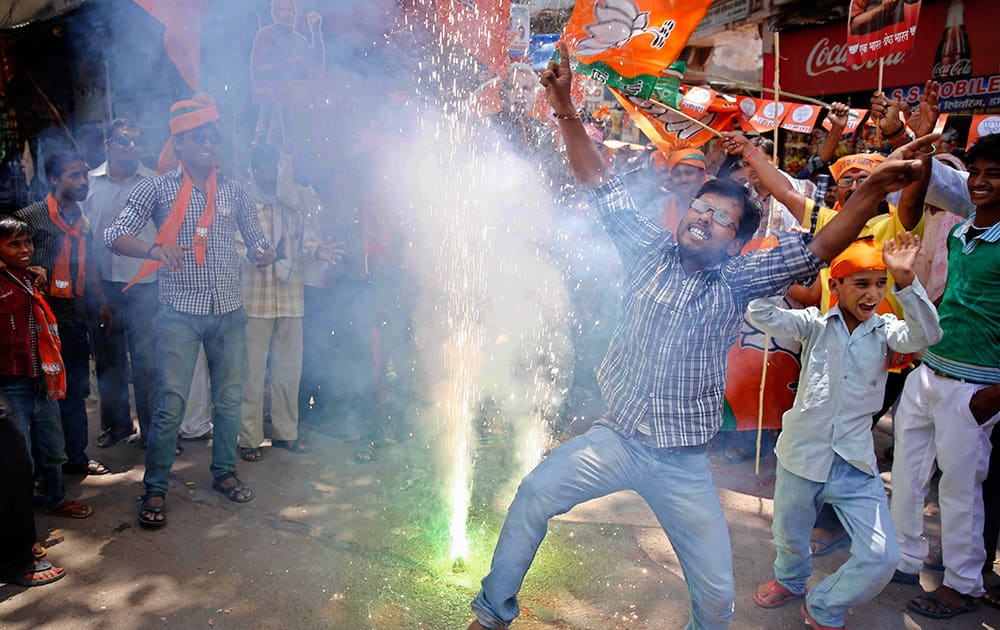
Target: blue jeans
73, 408
38, 419
677, 485
178, 337
861, 505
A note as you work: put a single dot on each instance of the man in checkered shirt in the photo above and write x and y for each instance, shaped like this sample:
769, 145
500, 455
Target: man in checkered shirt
200, 301
663, 376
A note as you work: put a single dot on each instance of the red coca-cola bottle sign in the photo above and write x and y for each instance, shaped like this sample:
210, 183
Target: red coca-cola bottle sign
954, 53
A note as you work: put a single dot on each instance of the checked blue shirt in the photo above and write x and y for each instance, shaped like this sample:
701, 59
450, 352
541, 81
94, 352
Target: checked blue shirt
666, 362
212, 288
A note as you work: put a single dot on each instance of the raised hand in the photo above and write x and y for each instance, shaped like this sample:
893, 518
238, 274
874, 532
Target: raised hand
736, 143
837, 115
557, 80
899, 255
922, 120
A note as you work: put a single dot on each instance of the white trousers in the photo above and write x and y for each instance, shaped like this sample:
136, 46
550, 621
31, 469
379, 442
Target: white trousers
933, 428
276, 343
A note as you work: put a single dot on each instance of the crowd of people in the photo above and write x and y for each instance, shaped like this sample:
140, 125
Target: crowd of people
193, 280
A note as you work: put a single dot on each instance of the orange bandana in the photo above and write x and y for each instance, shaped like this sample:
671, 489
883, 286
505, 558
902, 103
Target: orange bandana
61, 285
171, 228
864, 161
860, 255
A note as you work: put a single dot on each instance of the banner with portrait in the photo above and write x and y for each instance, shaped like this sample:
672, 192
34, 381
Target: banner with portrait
876, 28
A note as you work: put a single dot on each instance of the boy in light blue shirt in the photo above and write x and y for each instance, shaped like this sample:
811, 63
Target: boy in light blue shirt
825, 451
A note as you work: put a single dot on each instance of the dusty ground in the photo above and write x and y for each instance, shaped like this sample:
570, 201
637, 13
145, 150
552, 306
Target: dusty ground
333, 544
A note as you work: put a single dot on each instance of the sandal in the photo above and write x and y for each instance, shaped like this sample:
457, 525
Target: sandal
812, 622
156, 518
26, 577
365, 454
292, 446
820, 547
237, 493
70, 509
773, 595
930, 605
92, 467
251, 454
110, 438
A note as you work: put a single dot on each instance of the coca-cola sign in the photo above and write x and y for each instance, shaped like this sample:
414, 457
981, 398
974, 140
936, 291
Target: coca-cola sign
826, 57
815, 62
954, 70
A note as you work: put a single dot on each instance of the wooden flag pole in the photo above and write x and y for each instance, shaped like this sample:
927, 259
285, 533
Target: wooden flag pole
691, 118
759, 88
878, 128
767, 234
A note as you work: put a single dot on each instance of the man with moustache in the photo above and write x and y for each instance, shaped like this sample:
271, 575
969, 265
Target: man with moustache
127, 338
197, 210
60, 231
663, 377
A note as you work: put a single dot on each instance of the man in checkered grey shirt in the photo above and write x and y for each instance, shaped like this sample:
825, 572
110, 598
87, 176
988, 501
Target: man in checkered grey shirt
663, 376
200, 301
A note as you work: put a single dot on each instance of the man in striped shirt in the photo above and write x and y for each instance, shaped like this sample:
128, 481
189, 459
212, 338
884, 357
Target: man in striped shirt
663, 377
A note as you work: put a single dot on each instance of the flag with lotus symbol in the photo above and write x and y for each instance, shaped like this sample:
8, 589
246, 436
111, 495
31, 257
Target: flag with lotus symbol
625, 44
664, 126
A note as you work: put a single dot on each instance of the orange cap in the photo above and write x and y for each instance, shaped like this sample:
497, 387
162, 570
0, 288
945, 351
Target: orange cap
865, 161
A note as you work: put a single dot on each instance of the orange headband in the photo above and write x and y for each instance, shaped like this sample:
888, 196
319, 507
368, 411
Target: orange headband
864, 161
859, 256
192, 113
691, 157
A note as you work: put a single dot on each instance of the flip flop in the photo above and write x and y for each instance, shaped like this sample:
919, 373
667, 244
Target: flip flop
109, 438
828, 546
92, 467
815, 624
37, 566
292, 446
70, 509
947, 610
775, 596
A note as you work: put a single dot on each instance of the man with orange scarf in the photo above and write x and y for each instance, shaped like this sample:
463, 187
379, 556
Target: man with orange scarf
197, 210
60, 231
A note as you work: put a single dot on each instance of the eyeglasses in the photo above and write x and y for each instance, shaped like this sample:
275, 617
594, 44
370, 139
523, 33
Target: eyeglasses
203, 136
847, 182
125, 140
718, 216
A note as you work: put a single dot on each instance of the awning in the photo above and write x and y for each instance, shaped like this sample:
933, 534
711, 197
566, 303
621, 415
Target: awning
23, 12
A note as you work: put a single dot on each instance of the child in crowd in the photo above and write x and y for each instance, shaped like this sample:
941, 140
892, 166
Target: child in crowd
825, 451
32, 375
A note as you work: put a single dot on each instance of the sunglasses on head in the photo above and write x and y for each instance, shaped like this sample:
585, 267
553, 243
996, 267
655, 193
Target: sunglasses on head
204, 135
718, 216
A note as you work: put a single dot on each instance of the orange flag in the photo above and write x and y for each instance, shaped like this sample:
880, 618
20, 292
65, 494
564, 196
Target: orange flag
982, 125
854, 118
182, 41
761, 115
625, 44
664, 127
801, 118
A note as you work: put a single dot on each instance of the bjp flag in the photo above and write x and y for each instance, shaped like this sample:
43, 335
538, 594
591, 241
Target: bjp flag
982, 125
761, 116
664, 127
801, 119
182, 39
745, 366
625, 44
